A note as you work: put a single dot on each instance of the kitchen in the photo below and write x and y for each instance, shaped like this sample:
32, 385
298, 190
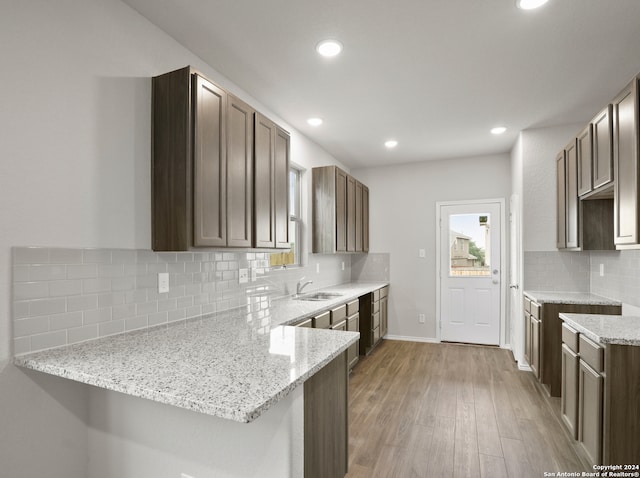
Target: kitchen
77, 74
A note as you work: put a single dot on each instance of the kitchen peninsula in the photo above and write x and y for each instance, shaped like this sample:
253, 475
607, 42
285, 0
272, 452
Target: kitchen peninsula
235, 365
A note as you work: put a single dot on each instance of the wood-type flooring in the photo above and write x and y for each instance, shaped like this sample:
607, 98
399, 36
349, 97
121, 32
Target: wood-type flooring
448, 410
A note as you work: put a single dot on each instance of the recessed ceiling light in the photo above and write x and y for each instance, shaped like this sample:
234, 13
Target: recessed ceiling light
392, 143
314, 121
530, 4
498, 130
329, 48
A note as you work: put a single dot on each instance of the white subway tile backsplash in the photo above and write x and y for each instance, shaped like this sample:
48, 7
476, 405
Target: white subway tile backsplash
64, 288
47, 306
65, 321
95, 316
100, 256
65, 256
84, 302
30, 290
48, 340
30, 255
82, 271
42, 272
26, 327
80, 334
63, 296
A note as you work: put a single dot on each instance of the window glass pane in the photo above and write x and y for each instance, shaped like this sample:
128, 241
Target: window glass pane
293, 192
470, 241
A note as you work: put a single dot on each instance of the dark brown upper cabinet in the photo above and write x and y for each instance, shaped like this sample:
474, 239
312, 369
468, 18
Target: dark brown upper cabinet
340, 212
271, 184
572, 202
561, 202
206, 177
625, 159
585, 160
239, 173
603, 148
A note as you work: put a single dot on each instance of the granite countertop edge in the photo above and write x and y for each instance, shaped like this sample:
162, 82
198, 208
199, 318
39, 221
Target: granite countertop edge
285, 311
606, 329
577, 298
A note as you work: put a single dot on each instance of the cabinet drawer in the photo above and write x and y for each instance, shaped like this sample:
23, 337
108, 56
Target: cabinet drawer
305, 323
353, 307
384, 292
338, 314
353, 323
527, 304
535, 310
376, 320
375, 295
323, 321
376, 335
375, 307
340, 325
591, 353
570, 337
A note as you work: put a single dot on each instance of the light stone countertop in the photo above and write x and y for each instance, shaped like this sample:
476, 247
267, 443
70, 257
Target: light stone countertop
233, 365
586, 298
606, 329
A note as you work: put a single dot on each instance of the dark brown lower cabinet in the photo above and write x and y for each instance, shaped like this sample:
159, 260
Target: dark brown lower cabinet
326, 418
543, 344
569, 394
370, 321
590, 412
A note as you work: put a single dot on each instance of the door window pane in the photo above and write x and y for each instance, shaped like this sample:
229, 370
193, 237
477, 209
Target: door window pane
470, 241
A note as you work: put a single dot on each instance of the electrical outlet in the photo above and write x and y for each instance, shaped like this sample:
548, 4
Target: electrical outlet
163, 282
317, 268
243, 276
343, 265
421, 318
601, 270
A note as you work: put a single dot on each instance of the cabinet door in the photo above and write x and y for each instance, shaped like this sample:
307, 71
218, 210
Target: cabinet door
603, 147
359, 241
351, 214
281, 188
384, 318
365, 218
527, 337
264, 150
239, 173
585, 160
590, 412
573, 203
341, 211
536, 332
209, 169
569, 391
625, 158
561, 206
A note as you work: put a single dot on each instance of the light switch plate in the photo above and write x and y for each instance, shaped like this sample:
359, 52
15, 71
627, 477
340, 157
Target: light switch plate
317, 268
243, 276
422, 253
421, 318
163, 282
601, 270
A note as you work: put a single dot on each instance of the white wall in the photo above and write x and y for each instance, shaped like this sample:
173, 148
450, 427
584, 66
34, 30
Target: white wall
74, 172
539, 149
402, 205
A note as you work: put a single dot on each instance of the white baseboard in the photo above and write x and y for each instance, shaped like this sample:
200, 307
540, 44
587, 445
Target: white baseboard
408, 338
524, 367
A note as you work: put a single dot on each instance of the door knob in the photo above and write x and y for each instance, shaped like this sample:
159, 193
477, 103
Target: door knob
495, 271
495, 281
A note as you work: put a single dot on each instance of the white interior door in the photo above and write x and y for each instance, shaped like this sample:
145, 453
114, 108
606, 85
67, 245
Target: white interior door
470, 272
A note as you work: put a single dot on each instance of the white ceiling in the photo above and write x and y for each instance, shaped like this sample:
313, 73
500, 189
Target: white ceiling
434, 74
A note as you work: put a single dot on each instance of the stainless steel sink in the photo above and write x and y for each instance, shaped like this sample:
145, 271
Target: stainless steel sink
318, 296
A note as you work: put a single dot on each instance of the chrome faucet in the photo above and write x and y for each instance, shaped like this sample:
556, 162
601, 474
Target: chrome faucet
300, 286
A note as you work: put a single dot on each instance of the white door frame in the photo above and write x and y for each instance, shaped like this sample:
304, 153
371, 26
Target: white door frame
503, 261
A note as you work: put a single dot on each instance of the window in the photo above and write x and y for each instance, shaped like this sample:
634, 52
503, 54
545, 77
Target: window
295, 211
